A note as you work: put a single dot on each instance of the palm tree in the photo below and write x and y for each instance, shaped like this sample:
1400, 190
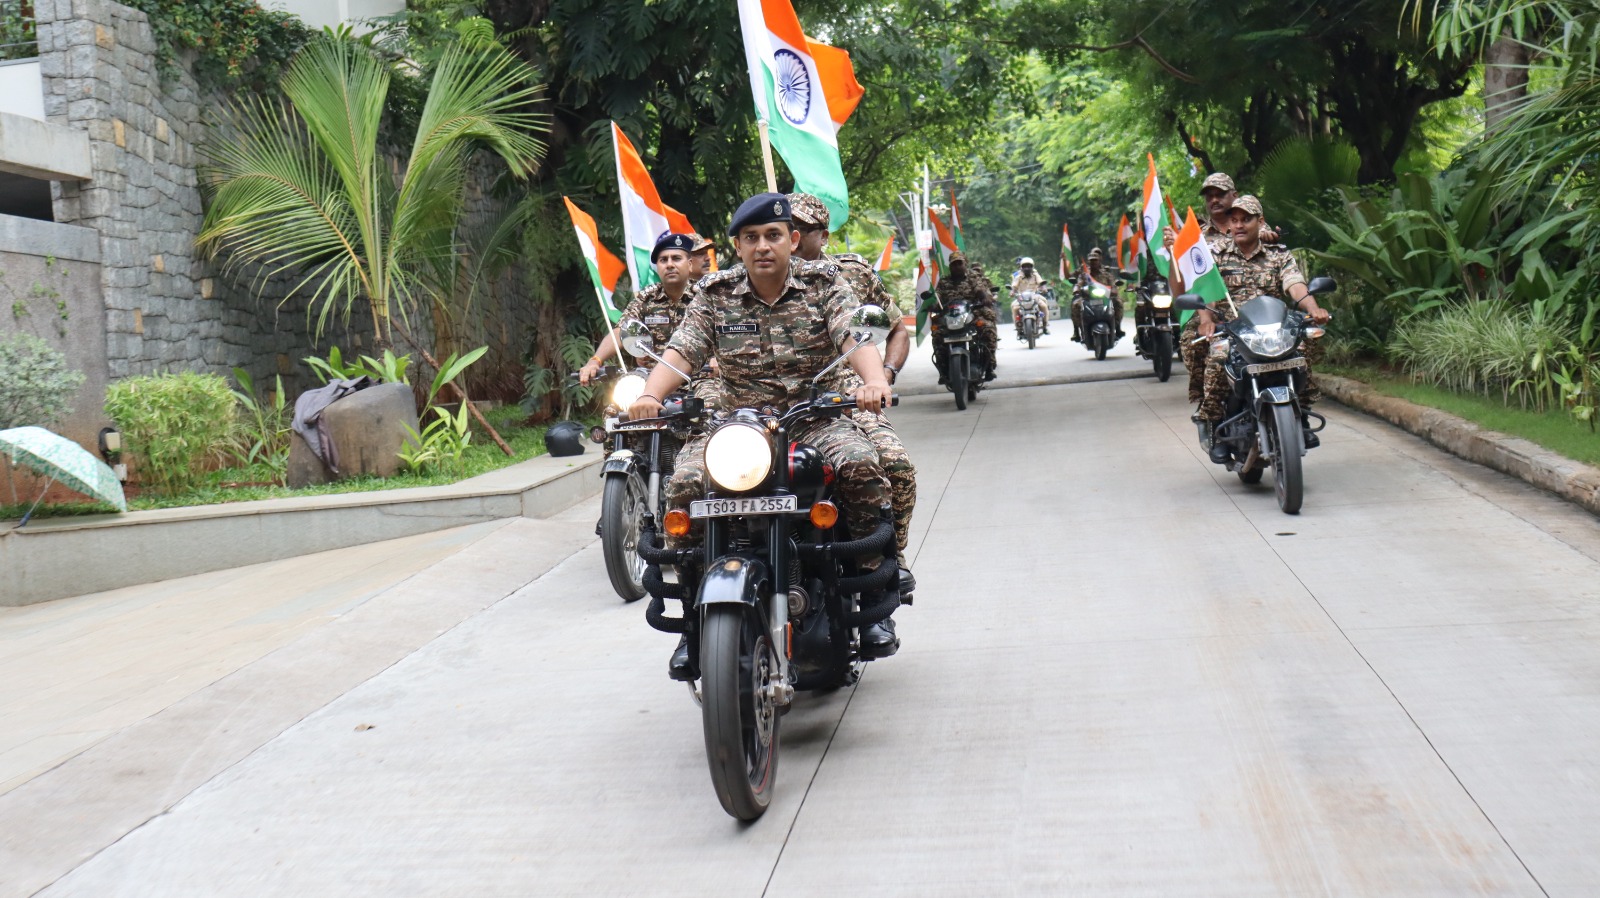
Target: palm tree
302, 185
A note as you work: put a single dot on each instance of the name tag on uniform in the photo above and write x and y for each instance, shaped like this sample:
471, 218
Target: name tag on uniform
657, 319
749, 328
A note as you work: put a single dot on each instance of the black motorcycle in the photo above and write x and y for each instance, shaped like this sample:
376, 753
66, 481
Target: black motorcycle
958, 352
775, 596
1100, 324
1155, 334
637, 469
1266, 371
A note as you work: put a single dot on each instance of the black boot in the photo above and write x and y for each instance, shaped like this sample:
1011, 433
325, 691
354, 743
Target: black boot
1220, 453
908, 583
678, 668
878, 640
1311, 439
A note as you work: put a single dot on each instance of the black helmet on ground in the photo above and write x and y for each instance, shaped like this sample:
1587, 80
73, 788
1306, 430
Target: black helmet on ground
564, 438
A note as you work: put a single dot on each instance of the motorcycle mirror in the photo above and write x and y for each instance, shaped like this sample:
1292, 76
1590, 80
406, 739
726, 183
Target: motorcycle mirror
870, 324
1320, 285
637, 342
1192, 302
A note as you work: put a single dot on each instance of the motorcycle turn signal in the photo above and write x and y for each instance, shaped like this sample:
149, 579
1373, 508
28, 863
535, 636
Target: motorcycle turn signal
676, 522
824, 514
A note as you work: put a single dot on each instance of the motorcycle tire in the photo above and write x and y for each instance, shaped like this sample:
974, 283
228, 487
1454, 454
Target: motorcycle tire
741, 727
1101, 344
621, 506
1163, 355
1286, 441
958, 382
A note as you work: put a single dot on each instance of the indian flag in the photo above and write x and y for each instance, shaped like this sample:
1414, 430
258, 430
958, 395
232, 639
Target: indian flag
1066, 253
1196, 267
1138, 251
1124, 236
885, 257
927, 279
1154, 217
604, 268
955, 222
792, 99
644, 217
944, 243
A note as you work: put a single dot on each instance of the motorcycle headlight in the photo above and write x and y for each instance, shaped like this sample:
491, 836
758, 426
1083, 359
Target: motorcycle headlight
738, 457
1161, 301
1268, 339
627, 391
958, 319
1099, 293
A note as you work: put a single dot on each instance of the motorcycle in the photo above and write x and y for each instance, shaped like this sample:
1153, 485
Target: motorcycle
965, 357
775, 595
637, 469
1155, 333
1030, 320
1100, 324
1266, 371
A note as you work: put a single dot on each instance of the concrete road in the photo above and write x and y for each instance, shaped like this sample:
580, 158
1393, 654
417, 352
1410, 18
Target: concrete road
1125, 674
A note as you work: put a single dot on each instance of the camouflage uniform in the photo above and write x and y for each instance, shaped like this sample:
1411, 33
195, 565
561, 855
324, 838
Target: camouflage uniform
1193, 348
660, 315
768, 355
1097, 273
892, 454
1270, 271
974, 290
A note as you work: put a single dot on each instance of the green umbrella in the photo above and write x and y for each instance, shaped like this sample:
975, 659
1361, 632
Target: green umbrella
63, 461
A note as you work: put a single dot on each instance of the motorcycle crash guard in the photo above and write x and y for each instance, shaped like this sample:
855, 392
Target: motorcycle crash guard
733, 581
622, 461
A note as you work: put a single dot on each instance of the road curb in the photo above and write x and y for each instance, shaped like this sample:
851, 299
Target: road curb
1550, 471
64, 557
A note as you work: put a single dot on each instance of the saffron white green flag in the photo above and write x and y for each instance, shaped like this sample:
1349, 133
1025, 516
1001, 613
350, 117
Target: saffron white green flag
645, 218
792, 99
604, 268
1197, 268
1154, 217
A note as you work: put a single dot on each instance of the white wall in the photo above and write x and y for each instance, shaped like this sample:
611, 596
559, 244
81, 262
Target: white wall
21, 88
322, 13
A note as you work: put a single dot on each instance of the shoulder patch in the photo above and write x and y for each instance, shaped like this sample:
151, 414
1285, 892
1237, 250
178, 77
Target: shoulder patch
821, 268
718, 277
850, 257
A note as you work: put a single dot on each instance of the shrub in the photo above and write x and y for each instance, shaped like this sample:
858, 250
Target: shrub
263, 435
172, 423
1486, 347
36, 386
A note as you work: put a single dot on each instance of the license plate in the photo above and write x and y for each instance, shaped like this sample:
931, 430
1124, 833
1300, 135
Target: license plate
963, 338
1284, 365
744, 505
639, 425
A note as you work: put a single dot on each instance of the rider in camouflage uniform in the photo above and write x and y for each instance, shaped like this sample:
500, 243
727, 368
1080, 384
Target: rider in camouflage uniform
1251, 268
770, 349
1098, 273
960, 284
811, 214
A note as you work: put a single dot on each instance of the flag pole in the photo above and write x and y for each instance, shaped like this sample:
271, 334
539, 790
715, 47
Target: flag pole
605, 315
766, 156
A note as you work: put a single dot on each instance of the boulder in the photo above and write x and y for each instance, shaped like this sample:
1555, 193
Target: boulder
368, 428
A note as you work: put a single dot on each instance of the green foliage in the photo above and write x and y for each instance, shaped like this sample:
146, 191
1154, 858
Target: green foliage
234, 41
1296, 184
389, 369
173, 423
263, 436
442, 443
304, 187
36, 385
18, 35
1488, 347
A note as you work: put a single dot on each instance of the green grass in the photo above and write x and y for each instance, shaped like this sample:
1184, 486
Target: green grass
481, 457
1557, 431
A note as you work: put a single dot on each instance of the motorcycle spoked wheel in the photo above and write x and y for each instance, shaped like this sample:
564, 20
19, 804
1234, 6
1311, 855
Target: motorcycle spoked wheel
1284, 442
622, 510
958, 381
737, 660
1163, 355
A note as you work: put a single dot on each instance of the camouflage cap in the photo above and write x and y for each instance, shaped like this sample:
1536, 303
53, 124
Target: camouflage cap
808, 211
1247, 203
957, 255
698, 244
1094, 253
1219, 181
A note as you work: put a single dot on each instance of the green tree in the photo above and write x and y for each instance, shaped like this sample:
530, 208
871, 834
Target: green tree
304, 185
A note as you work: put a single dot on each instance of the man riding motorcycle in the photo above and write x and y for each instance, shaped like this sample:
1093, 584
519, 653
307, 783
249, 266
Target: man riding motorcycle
774, 324
1251, 268
961, 284
1029, 301
1098, 273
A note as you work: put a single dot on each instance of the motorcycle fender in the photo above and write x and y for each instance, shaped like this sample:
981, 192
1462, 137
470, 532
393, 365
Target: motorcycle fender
622, 461
733, 581
1276, 396
957, 349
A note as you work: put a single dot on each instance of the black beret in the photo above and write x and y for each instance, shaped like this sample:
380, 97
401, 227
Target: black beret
670, 240
763, 208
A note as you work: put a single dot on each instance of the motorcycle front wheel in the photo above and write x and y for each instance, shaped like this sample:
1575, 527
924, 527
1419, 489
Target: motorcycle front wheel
1285, 440
622, 507
1102, 342
1032, 331
737, 662
1163, 354
958, 381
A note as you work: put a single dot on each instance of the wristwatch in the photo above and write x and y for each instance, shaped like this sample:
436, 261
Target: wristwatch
894, 373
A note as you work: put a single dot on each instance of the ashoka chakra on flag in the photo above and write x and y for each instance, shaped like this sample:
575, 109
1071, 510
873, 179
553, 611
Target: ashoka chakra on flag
794, 86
